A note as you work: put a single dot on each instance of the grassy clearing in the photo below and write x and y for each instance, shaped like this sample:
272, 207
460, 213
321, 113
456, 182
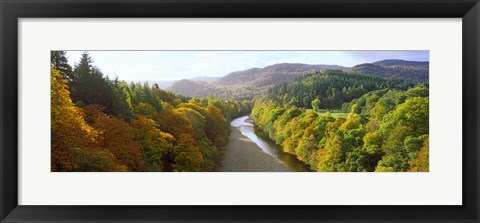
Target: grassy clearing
333, 112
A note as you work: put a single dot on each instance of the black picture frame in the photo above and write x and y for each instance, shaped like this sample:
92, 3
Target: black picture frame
11, 11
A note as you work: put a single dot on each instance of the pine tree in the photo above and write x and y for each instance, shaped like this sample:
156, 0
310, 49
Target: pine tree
58, 60
90, 87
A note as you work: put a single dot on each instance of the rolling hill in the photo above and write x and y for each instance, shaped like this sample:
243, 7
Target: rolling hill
274, 74
247, 83
416, 72
252, 82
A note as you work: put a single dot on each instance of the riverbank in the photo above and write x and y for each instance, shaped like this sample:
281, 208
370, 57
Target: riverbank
243, 155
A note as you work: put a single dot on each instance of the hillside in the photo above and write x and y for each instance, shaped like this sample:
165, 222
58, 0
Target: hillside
331, 87
205, 79
193, 88
248, 83
384, 126
390, 63
168, 84
271, 75
255, 81
202, 89
416, 72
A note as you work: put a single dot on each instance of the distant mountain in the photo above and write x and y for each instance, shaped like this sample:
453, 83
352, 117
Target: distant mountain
161, 84
414, 71
252, 82
168, 84
271, 75
205, 79
193, 88
248, 83
390, 63
239, 77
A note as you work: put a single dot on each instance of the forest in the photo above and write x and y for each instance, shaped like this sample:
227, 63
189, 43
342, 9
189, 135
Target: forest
385, 127
99, 124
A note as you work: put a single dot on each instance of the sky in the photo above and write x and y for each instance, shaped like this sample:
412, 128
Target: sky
176, 65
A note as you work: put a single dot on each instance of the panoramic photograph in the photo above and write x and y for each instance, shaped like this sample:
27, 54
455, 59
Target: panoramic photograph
239, 111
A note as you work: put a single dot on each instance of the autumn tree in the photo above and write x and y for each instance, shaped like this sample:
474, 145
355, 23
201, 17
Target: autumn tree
188, 157
115, 136
74, 146
157, 145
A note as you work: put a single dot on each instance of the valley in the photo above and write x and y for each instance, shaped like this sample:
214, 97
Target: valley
284, 117
253, 82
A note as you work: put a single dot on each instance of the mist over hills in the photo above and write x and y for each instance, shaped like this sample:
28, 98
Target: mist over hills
252, 82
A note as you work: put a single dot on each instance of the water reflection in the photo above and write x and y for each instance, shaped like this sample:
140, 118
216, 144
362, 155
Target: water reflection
247, 129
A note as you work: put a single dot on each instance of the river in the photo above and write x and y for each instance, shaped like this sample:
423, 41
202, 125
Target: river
247, 151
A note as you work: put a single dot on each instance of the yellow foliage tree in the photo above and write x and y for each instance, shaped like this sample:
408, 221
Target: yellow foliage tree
68, 128
421, 162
